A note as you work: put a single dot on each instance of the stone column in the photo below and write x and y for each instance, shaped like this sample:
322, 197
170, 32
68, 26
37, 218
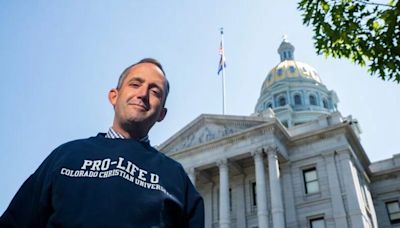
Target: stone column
352, 187
278, 219
371, 207
339, 213
288, 192
224, 219
240, 202
262, 212
192, 175
208, 205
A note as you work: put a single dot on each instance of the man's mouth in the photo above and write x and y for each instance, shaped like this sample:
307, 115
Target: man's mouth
141, 106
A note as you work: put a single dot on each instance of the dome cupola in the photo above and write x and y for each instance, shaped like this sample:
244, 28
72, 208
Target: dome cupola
286, 50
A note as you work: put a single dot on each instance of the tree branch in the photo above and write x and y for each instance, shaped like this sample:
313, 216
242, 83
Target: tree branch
374, 3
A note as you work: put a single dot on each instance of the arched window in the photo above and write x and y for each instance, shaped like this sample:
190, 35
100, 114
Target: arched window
280, 72
297, 99
313, 101
282, 101
269, 105
325, 102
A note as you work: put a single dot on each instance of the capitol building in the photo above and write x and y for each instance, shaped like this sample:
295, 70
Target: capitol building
295, 162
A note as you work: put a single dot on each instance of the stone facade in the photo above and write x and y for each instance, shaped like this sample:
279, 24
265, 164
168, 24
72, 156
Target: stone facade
274, 159
385, 187
257, 171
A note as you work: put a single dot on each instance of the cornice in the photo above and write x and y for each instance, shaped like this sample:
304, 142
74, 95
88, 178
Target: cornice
203, 120
272, 127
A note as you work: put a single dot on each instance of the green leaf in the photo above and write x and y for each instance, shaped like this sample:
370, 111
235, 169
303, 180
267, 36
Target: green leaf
375, 25
364, 33
325, 6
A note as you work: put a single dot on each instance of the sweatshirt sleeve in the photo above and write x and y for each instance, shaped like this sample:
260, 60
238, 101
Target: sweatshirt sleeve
31, 206
195, 206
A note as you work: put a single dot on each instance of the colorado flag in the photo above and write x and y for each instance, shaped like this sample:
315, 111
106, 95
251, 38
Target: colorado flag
222, 63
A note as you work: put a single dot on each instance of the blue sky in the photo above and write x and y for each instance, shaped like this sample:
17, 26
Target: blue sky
58, 60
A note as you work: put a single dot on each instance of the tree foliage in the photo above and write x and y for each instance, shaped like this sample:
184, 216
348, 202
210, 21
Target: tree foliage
368, 33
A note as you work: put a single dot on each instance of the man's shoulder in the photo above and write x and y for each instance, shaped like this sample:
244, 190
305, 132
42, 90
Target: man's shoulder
79, 142
165, 157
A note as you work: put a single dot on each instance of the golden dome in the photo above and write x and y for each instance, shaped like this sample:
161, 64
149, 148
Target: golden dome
290, 69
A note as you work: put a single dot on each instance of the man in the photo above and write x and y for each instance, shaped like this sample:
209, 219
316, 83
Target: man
115, 179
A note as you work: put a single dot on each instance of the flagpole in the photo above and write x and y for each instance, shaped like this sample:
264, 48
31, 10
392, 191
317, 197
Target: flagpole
223, 72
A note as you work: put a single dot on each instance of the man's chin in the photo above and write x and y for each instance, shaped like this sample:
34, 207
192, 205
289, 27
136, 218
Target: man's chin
136, 120
134, 125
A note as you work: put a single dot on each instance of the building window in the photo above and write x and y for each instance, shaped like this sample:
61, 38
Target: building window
297, 99
217, 202
254, 193
310, 180
230, 199
282, 101
317, 223
298, 123
269, 105
325, 102
280, 72
269, 78
393, 209
313, 101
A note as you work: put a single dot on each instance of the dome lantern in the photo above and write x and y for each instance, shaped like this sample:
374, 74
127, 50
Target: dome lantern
286, 50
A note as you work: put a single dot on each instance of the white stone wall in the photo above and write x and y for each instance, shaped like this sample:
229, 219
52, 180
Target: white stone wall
385, 187
351, 194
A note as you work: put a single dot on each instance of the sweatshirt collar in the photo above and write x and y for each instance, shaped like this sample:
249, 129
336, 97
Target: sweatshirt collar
112, 134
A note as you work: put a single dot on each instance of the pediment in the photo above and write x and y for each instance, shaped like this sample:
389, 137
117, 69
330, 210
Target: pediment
207, 128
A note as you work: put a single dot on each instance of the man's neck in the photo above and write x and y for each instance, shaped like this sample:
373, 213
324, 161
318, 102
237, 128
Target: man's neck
128, 134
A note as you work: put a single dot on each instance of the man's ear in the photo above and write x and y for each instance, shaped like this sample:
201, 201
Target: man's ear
112, 96
163, 113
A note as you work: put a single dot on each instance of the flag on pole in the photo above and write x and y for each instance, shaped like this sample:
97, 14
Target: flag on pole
221, 67
222, 63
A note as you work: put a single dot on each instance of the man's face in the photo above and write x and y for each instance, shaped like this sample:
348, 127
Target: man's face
139, 102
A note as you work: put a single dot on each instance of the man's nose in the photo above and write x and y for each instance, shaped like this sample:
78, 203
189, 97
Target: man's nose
143, 92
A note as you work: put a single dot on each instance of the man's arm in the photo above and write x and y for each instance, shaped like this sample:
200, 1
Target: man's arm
31, 206
195, 207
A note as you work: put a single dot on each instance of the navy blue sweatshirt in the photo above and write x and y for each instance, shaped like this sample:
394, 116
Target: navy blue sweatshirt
101, 182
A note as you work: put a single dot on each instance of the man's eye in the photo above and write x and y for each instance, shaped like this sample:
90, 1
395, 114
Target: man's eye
134, 84
156, 92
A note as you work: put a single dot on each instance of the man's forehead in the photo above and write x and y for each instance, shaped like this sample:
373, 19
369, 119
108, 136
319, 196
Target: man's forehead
145, 72
146, 67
